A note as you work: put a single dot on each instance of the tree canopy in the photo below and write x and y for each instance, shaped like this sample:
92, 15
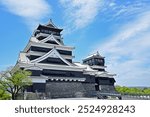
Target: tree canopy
13, 81
132, 90
3, 94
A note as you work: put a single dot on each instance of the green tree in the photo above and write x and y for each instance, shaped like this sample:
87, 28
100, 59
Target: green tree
146, 91
3, 94
137, 91
14, 81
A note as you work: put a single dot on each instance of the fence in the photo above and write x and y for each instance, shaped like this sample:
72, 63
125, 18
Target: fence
135, 97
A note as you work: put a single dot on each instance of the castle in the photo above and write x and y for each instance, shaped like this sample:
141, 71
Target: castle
54, 72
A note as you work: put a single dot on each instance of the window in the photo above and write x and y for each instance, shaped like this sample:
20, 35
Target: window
46, 31
99, 61
39, 49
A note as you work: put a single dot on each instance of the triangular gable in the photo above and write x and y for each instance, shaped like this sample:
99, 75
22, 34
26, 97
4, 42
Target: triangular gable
23, 58
105, 74
52, 53
51, 24
34, 39
51, 38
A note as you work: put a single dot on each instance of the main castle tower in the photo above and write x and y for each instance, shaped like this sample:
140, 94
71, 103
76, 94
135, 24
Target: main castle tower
54, 72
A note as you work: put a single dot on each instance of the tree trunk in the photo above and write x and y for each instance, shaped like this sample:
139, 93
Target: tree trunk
14, 96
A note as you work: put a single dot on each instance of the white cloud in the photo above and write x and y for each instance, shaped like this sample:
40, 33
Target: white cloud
115, 9
128, 53
30, 10
80, 13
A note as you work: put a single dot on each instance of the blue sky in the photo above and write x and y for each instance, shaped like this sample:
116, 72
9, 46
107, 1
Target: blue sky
119, 30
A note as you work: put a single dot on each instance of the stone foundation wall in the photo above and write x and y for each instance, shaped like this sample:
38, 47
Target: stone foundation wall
107, 89
69, 90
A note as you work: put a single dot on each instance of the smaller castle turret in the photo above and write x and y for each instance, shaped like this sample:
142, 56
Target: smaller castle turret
96, 61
